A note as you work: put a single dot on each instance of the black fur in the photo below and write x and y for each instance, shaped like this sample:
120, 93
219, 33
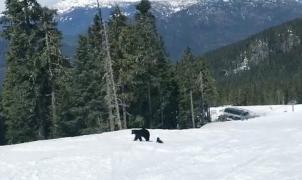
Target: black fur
159, 140
141, 133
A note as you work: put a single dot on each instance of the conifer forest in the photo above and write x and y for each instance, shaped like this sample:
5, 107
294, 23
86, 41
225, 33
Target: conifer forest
120, 77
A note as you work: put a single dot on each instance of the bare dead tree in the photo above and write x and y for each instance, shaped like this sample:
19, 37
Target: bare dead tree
112, 99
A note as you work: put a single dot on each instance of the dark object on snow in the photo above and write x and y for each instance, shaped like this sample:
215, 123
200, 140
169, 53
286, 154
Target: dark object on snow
159, 140
230, 114
141, 133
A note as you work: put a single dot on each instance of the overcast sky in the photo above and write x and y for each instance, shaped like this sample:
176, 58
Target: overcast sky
43, 2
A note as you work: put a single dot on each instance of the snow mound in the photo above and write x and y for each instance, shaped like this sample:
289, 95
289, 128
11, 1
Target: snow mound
268, 147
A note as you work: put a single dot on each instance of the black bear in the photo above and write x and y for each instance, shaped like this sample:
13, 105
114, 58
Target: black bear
159, 140
141, 133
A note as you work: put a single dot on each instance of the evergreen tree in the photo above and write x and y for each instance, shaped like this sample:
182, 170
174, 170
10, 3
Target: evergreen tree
196, 90
122, 62
144, 7
185, 81
206, 91
89, 85
151, 66
55, 70
34, 66
19, 97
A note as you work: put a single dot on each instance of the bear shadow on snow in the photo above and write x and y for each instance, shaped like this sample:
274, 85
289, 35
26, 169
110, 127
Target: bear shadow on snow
141, 133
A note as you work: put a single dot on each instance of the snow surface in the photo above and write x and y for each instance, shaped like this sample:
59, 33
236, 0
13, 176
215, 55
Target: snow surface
264, 148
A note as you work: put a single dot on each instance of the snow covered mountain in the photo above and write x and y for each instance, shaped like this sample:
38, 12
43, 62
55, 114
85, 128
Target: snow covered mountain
203, 25
268, 147
64, 6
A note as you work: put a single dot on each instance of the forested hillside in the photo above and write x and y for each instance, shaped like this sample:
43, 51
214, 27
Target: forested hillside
121, 77
263, 69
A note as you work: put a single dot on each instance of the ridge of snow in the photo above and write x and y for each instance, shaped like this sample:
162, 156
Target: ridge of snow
64, 6
171, 6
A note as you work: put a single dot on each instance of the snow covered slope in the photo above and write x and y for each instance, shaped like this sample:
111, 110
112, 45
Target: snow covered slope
269, 147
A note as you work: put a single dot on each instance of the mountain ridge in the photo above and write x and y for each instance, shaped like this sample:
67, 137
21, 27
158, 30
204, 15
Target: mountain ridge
66, 6
265, 68
203, 25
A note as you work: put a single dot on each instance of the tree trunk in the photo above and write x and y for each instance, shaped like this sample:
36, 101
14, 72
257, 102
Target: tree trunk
124, 106
108, 100
201, 89
41, 111
51, 79
2, 139
41, 131
54, 113
149, 106
192, 109
124, 116
42, 125
161, 108
110, 79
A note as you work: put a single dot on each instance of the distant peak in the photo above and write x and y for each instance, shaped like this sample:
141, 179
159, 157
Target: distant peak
68, 5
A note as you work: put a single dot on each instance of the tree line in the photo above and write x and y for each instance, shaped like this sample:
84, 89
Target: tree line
121, 77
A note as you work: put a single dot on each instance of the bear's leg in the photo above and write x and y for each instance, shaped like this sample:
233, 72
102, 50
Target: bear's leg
140, 138
147, 138
136, 137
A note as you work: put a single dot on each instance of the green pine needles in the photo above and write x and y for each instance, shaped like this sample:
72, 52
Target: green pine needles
121, 78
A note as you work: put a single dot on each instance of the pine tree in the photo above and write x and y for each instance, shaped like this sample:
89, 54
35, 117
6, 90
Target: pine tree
112, 98
196, 91
89, 84
19, 97
57, 70
185, 79
122, 64
205, 89
72, 121
144, 7
34, 68
151, 66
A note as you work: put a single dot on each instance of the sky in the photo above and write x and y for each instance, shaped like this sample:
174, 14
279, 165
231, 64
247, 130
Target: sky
43, 2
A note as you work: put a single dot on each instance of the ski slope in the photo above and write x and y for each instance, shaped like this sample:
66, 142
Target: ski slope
264, 148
